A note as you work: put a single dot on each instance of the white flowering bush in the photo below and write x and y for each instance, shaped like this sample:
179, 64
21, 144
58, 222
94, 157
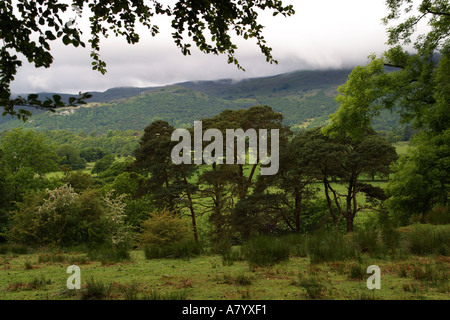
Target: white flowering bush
65, 217
119, 233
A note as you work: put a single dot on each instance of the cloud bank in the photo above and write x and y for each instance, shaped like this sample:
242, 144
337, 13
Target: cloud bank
325, 34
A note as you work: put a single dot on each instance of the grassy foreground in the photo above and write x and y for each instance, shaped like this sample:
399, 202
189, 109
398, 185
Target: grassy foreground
42, 275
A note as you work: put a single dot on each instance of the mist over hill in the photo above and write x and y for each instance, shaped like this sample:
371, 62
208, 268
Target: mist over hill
306, 98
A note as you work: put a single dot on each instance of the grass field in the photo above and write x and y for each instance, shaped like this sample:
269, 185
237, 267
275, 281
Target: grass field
41, 274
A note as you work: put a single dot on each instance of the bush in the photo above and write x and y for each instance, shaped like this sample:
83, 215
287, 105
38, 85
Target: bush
231, 255
183, 250
357, 272
438, 215
329, 246
263, 250
390, 237
426, 239
95, 290
313, 286
109, 254
13, 248
164, 229
366, 240
297, 243
64, 217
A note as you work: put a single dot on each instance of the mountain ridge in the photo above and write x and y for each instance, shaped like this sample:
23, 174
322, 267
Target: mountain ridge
306, 98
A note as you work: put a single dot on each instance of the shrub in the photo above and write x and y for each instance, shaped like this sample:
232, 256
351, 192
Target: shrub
243, 280
108, 253
13, 248
357, 272
329, 246
390, 237
297, 243
95, 290
231, 255
263, 250
366, 240
426, 239
163, 229
51, 257
432, 274
183, 250
63, 217
438, 215
313, 286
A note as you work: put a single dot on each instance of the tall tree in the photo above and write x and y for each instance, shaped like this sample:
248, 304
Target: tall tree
167, 182
27, 157
345, 160
29, 27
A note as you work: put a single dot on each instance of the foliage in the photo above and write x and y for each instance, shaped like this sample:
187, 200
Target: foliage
421, 178
107, 253
92, 154
329, 246
163, 228
27, 149
264, 250
63, 217
103, 164
346, 160
78, 180
425, 239
70, 156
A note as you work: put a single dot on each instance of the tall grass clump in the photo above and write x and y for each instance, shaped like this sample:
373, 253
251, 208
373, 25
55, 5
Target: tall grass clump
95, 290
297, 243
427, 239
330, 246
314, 286
232, 254
108, 253
438, 215
370, 241
264, 251
13, 248
173, 295
183, 250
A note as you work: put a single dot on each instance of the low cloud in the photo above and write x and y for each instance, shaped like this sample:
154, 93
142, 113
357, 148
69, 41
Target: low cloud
322, 35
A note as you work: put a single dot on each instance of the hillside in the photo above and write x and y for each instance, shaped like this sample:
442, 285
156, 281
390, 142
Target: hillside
304, 98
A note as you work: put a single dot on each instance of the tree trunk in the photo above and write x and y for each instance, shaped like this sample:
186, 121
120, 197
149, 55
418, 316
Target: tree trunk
330, 204
191, 208
349, 223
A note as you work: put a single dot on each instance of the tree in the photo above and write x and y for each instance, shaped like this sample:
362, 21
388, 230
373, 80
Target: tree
398, 80
27, 157
264, 209
253, 118
70, 156
91, 154
222, 185
27, 149
345, 160
167, 182
103, 164
209, 24
421, 178
436, 11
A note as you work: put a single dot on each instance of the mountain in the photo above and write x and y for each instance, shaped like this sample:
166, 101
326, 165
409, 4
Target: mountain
306, 98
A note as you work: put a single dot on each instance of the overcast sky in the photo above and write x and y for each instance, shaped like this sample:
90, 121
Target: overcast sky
322, 34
